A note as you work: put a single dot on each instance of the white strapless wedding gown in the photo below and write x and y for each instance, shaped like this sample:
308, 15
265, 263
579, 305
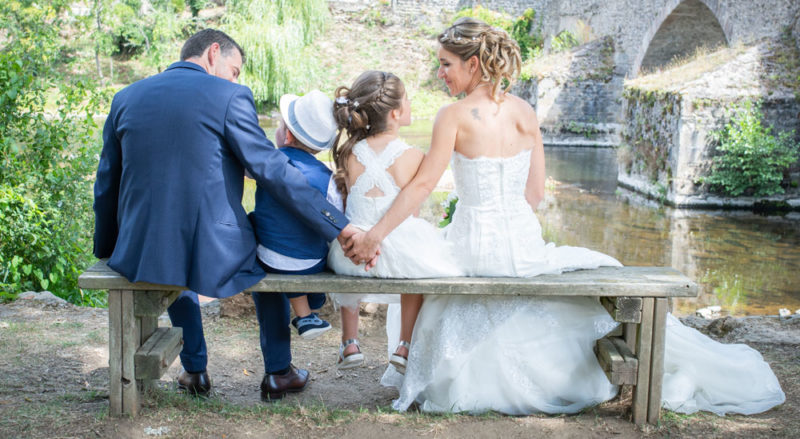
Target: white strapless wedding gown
521, 355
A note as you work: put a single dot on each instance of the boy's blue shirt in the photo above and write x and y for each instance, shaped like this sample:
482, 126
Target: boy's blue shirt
280, 231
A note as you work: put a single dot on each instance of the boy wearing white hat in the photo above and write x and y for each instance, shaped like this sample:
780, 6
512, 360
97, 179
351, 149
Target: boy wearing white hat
286, 244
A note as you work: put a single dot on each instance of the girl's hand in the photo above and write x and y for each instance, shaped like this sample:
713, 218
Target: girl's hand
363, 248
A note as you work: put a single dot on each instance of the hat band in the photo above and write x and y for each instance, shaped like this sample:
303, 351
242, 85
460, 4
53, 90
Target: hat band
300, 132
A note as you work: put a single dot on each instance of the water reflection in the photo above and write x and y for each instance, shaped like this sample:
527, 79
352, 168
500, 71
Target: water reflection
746, 263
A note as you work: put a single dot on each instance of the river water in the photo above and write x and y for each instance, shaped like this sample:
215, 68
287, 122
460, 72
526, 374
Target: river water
748, 264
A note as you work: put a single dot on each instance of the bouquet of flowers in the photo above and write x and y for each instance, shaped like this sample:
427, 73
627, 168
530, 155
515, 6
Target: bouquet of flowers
449, 206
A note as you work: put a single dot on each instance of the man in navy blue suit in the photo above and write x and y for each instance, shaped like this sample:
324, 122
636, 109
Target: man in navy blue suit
168, 193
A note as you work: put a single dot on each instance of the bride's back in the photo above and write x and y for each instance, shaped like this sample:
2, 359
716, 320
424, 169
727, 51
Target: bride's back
490, 129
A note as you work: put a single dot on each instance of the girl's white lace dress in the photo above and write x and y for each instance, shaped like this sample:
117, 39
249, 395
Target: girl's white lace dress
415, 249
520, 355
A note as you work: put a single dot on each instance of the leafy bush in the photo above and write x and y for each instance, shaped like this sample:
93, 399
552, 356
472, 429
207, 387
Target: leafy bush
275, 34
750, 159
530, 43
48, 149
490, 17
563, 41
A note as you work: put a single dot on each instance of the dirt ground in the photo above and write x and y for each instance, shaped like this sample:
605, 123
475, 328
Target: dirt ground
54, 383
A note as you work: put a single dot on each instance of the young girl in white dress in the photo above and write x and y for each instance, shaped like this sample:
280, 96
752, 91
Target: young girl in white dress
372, 165
526, 355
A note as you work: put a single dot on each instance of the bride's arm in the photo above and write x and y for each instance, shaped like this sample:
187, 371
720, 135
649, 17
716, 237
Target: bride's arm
534, 188
363, 246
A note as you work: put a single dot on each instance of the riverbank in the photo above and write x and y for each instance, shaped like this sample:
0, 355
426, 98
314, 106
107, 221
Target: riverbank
54, 364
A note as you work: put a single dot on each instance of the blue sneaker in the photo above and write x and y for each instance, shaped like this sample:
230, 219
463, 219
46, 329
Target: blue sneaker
310, 326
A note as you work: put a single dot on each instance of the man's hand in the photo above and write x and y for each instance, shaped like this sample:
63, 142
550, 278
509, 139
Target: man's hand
362, 248
346, 233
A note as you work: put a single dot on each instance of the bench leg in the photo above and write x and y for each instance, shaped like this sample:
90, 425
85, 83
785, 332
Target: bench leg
629, 335
644, 342
123, 341
657, 360
147, 326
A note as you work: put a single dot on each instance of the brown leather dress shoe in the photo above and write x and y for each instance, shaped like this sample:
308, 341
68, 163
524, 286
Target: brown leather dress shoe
274, 386
195, 384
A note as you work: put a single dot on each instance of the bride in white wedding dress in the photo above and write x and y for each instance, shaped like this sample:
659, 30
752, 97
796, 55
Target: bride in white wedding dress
522, 355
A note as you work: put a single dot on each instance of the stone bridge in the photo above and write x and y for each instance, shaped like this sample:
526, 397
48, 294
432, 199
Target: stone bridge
580, 100
647, 33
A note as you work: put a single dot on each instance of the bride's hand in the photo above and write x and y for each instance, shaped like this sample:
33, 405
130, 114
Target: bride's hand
362, 247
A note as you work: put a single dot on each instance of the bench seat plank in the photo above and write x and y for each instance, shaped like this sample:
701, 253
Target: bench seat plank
605, 281
637, 295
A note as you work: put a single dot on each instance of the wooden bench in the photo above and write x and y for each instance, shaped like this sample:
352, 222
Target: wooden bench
140, 352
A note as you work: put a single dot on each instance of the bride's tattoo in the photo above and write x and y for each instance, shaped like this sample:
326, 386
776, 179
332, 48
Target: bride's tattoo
475, 115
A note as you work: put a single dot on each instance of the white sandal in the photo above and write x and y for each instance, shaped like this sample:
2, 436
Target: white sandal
398, 361
352, 360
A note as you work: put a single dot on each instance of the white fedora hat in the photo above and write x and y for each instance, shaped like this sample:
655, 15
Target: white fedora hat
310, 119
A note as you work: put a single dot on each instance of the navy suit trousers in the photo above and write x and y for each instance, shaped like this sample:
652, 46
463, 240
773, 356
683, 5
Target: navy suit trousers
272, 310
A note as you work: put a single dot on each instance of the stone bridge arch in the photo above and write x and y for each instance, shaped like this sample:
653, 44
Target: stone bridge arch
679, 29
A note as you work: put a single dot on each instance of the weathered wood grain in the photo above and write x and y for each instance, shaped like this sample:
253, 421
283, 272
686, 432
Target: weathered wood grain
154, 302
130, 343
624, 309
156, 354
644, 340
617, 361
629, 334
606, 281
115, 352
657, 360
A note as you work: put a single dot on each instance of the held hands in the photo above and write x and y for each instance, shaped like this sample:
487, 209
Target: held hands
360, 246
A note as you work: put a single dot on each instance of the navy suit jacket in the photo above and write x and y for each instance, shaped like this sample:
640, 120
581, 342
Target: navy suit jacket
168, 193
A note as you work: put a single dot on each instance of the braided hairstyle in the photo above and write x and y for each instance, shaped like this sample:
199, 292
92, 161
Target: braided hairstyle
362, 111
497, 52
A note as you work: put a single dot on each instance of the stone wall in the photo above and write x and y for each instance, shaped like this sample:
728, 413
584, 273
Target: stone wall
633, 23
576, 100
650, 138
667, 146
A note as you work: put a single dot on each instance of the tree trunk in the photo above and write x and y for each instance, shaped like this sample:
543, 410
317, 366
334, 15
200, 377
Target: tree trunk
98, 7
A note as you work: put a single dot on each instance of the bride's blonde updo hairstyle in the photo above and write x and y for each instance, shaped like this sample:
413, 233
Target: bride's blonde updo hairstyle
361, 111
498, 53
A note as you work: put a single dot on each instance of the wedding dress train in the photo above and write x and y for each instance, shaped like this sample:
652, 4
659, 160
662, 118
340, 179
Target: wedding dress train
520, 355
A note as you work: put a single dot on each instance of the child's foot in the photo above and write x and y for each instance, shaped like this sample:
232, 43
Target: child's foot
350, 355
310, 326
400, 357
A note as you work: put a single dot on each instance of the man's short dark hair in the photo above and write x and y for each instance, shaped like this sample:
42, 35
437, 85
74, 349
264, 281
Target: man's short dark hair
199, 42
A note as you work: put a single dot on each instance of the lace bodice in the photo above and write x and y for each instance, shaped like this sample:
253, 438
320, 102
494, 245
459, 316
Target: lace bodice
491, 182
365, 210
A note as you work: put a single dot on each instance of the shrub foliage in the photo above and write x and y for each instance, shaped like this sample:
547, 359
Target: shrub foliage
751, 160
48, 151
521, 29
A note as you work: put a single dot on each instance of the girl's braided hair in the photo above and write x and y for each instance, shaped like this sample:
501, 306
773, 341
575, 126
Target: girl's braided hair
361, 111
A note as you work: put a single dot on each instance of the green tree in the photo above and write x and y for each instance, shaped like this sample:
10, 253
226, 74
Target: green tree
275, 35
48, 151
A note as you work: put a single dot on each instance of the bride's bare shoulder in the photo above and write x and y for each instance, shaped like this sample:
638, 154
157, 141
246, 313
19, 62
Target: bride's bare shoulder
519, 105
450, 113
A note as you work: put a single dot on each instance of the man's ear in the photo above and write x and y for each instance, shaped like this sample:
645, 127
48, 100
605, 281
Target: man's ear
212, 54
